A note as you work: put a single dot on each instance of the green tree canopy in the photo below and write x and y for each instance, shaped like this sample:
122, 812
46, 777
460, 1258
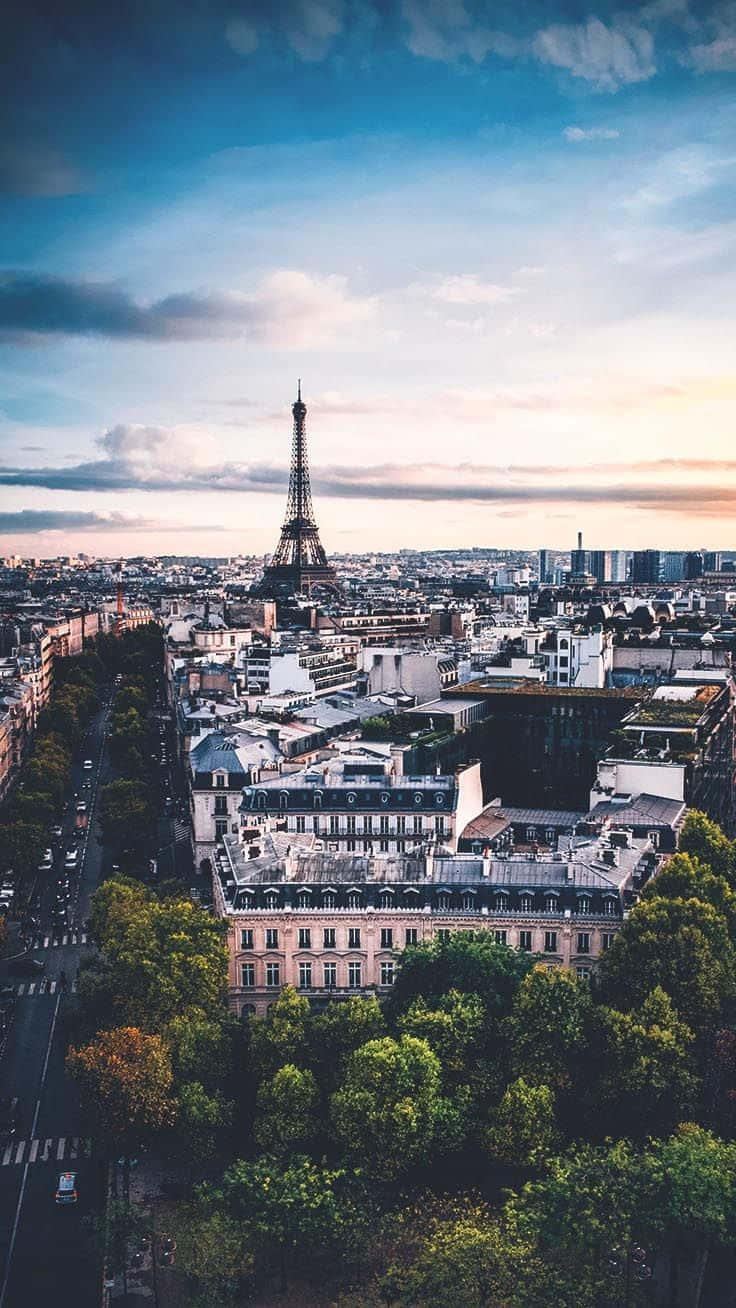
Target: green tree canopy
705, 840
287, 1117
469, 962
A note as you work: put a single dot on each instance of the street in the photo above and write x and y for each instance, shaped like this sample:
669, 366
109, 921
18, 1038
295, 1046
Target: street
47, 1252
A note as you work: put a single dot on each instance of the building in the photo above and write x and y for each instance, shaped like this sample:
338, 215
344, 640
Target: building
579, 562
219, 767
582, 657
311, 667
619, 566
421, 675
364, 805
647, 568
335, 925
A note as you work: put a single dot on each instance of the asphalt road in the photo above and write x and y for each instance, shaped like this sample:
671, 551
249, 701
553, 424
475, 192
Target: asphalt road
48, 1253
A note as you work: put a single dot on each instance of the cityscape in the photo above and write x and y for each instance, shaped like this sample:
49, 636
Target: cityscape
368, 657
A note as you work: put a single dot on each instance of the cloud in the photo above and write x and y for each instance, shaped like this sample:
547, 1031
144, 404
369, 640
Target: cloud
30, 521
242, 36
288, 308
466, 288
608, 57
443, 30
576, 134
310, 27
679, 174
36, 170
717, 56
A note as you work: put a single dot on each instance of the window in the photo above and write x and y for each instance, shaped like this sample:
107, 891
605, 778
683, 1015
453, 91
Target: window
411, 936
526, 903
330, 974
401, 825
583, 973
550, 904
301, 823
272, 938
550, 942
221, 804
334, 824
350, 824
502, 903
328, 938
584, 904
500, 937
563, 660
443, 935
383, 846
283, 800
439, 825
609, 906
271, 899
272, 974
383, 825
350, 846
443, 901
315, 825
525, 941
583, 942
387, 938
400, 846
305, 976
220, 828
354, 972
387, 974
220, 781
353, 899
353, 937
606, 940
329, 899
246, 938
248, 975
305, 938
368, 826
417, 820
385, 899
531, 833
304, 899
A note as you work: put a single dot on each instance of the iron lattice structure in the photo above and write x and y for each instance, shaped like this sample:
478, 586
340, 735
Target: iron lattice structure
299, 561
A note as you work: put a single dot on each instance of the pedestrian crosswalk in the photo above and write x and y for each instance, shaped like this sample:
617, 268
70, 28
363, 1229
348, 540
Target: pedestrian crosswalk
181, 832
43, 987
61, 938
54, 1149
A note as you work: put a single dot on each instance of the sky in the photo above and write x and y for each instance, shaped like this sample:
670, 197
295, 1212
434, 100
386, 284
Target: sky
496, 241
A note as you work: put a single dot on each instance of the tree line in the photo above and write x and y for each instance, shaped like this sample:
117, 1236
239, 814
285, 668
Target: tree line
496, 1134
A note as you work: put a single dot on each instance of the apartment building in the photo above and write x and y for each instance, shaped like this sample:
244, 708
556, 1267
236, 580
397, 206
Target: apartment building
365, 806
335, 925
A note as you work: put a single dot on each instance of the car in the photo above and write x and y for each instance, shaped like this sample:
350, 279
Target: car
47, 862
9, 1118
88, 765
81, 806
27, 965
57, 831
66, 1189
86, 785
71, 858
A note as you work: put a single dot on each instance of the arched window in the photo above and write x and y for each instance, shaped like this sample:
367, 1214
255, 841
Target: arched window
502, 902
468, 901
526, 903
283, 800
551, 904
317, 799
353, 899
261, 799
444, 901
303, 899
564, 643
609, 906
583, 903
329, 899
386, 899
271, 899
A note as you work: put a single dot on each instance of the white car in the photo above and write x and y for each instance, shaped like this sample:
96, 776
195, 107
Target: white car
71, 858
47, 862
88, 765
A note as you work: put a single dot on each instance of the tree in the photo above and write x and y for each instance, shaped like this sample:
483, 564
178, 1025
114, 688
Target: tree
287, 1119
23, 844
706, 841
469, 962
128, 819
645, 1079
547, 1027
201, 1047
201, 1121
389, 1109
213, 1255
685, 877
338, 1032
522, 1132
682, 945
455, 1029
282, 1036
125, 1078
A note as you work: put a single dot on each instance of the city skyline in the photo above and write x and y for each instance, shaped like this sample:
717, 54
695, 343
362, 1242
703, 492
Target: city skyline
496, 246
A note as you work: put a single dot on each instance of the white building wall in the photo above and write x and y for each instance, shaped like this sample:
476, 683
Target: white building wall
638, 777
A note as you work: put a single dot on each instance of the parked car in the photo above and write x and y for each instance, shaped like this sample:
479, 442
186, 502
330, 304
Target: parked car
57, 831
71, 859
88, 765
47, 862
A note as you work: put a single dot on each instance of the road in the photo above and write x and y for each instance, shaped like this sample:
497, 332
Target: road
49, 1253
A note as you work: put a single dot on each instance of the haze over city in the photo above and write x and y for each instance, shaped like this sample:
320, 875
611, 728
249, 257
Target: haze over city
496, 244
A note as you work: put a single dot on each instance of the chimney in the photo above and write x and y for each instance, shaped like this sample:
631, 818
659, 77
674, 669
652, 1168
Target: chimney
429, 863
580, 540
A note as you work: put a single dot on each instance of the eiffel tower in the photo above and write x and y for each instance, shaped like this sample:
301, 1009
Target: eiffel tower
299, 561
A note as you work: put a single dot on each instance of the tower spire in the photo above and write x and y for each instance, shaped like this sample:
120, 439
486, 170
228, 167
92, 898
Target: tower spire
299, 560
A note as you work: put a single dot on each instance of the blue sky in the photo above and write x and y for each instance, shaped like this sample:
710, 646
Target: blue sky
497, 242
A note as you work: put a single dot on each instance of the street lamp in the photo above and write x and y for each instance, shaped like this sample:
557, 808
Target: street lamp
630, 1261
160, 1248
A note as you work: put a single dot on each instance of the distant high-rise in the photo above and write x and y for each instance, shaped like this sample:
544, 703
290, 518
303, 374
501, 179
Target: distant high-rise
712, 561
619, 566
546, 570
693, 565
600, 566
299, 561
647, 569
673, 565
579, 560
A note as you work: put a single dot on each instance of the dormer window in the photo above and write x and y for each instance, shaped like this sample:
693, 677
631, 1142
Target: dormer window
220, 780
502, 902
444, 901
584, 903
386, 899
468, 901
526, 903
303, 899
551, 904
283, 800
271, 899
329, 899
353, 899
